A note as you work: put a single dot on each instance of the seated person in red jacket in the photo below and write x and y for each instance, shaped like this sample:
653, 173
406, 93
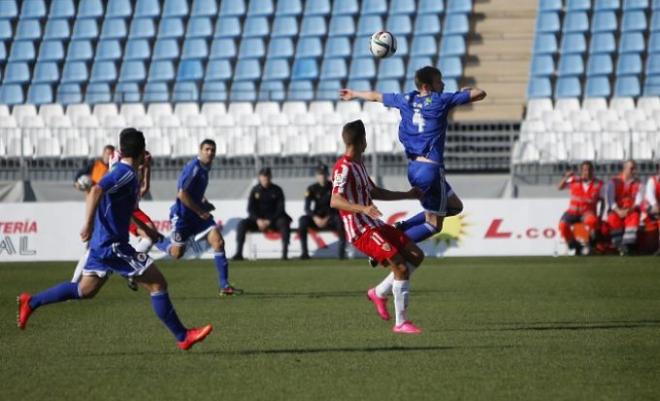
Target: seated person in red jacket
624, 198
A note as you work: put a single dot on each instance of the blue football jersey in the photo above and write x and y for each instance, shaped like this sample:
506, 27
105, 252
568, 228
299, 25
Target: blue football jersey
423, 126
194, 179
121, 189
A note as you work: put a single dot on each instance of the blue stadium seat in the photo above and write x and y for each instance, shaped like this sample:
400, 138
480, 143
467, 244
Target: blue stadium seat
337, 47
629, 64
304, 68
359, 84
103, 71
333, 68
600, 64
545, 43
276, 69
98, 93
280, 48
606, 5
170, 28
598, 86
74, 72
653, 64
459, 6
247, 70
57, 29
313, 26
214, 92
252, 48
185, 92
147, 8
90, 9
571, 64
423, 46
451, 85
40, 94
218, 70
345, 7
156, 92
568, 87
633, 21
272, 90
194, 49
46, 72
51, 50
108, 50
456, 24
175, 8
256, 27
127, 92
309, 48
602, 43
368, 24
654, 43
200, 27
652, 85
328, 90
69, 94
11, 94
234, 8
318, 7
655, 21
142, 28
137, 49
374, 7
22, 51
388, 86
427, 7
362, 68
190, 70
132, 71
451, 67
415, 63
550, 5
578, 5
627, 86
113, 29
604, 21
399, 25
3, 51
635, 5
301, 90
576, 22
427, 25
288, 8
60, 9
402, 7
162, 70
8, 9
341, 26
28, 29
542, 65
632, 42
539, 87
16, 72
573, 43
166, 49
547, 22
361, 47
402, 45
228, 27
260, 8
204, 8
224, 48
118, 9
391, 68
5, 29
284, 27
244, 91
85, 29
33, 9
80, 50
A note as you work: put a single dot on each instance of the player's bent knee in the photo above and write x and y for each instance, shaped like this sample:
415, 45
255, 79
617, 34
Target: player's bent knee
177, 252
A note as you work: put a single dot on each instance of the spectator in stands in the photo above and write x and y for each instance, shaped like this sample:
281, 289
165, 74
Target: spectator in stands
95, 168
318, 213
624, 199
652, 202
586, 192
265, 212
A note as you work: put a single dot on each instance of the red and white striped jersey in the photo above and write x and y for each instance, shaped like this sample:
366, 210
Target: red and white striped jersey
351, 180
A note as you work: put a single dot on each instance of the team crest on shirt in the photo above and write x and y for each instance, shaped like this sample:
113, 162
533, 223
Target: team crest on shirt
177, 237
386, 247
141, 257
340, 179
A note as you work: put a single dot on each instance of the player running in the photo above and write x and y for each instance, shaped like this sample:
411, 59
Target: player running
191, 216
352, 194
108, 213
422, 132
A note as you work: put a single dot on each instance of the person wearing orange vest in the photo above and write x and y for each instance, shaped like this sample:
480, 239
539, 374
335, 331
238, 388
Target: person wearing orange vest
624, 198
96, 168
586, 193
652, 201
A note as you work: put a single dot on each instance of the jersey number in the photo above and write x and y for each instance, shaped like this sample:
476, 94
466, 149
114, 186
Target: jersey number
418, 120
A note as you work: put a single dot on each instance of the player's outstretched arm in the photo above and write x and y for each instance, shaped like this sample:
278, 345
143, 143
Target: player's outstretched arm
350, 94
91, 204
476, 94
338, 202
387, 195
188, 201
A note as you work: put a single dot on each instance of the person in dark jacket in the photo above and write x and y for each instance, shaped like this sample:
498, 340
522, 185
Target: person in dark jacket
265, 212
319, 215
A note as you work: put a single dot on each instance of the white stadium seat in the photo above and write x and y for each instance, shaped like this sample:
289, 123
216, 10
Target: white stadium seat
31, 121
47, 111
645, 126
321, 107
277, 120
242, 146
167, 121
304, 119
566, 106
296, 146
185, 147
24, 110
238, 109
159, 147
594, 104
129, 110
59, 121
293, 108
86, 121
269, 146
249, 120
4, 110
536, 107
211, 110
226, 120
156, 110
48, 147
183, 110
578, 116
347, 108
139, 121
14, 147
195, 121
332, 118
621, 104
373, 108
617, 126
265, 109
8, 122
76, 147
101, 111
115, 121
582, 151
76, 110
633, 116
649, 104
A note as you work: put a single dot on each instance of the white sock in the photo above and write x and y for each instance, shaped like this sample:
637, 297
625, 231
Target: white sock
384, 289
400, 289
144, 244
77, 273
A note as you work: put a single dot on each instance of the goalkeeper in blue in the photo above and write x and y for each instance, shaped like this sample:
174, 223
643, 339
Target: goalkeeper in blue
422, 133
110, 205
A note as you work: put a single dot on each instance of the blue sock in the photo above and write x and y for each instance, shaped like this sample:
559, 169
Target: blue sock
59, 293
222, 267
421, 232
165, 311
164, 244
415, 220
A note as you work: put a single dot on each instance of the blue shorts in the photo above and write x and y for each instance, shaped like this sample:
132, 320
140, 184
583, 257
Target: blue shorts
184, 228
430, 178
118, 258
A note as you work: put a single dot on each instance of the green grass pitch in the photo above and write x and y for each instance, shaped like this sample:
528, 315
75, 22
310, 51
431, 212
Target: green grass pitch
495, 329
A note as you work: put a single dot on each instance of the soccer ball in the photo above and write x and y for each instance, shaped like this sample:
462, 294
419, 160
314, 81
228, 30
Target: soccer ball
84, 182
382, 44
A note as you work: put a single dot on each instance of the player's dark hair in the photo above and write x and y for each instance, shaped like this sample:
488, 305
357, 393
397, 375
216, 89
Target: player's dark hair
109, 147
207, 141
588, 163
131, 142
353, 132
426, 75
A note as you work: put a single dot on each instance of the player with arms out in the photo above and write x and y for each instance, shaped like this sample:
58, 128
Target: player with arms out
422, 132
110, 205
191, 216
352, 194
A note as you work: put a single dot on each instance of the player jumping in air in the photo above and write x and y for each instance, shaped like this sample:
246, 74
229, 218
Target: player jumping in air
352, 194
191, 215
110, 205
422, 132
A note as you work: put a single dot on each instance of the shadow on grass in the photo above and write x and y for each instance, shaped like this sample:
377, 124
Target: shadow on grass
310, 294
577, 326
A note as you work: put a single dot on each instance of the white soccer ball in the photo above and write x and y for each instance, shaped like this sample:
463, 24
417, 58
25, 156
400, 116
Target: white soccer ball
84, 182
382, 44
